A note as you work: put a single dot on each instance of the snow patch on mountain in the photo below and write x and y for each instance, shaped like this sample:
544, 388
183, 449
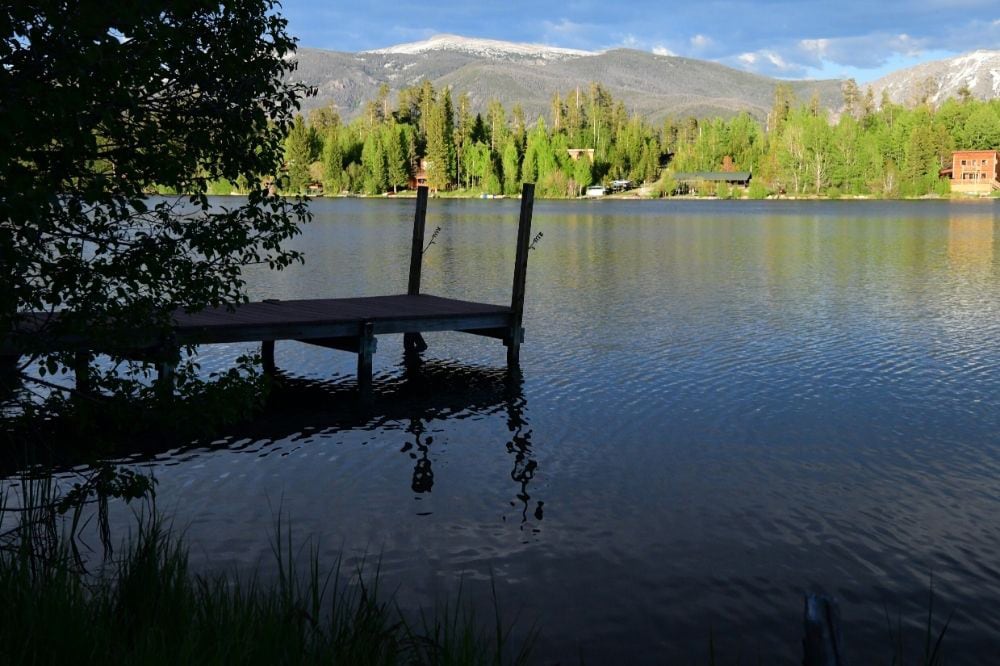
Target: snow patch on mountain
979, 71
485, 48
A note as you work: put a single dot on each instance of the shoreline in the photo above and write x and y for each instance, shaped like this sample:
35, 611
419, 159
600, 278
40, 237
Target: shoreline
635, 197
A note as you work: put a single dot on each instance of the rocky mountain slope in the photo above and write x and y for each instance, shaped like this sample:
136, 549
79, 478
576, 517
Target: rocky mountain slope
979, 71
652, 85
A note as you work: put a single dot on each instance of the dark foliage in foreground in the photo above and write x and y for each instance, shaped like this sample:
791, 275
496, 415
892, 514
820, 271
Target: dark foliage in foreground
148, 608
98, 106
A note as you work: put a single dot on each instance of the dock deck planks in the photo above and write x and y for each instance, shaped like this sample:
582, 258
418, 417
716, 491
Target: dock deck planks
335, 317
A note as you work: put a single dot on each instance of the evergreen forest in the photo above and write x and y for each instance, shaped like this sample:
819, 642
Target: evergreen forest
879, 149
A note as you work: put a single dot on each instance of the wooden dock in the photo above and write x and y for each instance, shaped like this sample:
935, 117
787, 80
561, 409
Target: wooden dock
347, 324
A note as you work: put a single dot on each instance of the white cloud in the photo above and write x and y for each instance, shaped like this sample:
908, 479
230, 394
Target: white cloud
777, 60
630, 42
700, 41
662, 51
767, 61
817, 46
564, 27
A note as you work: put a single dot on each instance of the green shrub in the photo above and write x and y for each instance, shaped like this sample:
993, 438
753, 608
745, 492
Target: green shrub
666, 186
221, 187
757, 190
833, 193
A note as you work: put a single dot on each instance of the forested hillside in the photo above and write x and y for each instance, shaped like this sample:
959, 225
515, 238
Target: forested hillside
882, 150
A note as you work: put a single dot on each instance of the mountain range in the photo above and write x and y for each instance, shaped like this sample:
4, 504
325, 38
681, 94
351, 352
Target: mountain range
651, 85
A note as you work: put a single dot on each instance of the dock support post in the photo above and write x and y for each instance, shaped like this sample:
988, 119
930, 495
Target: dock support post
366, 348
81, 368
8, 374
166, 365
823, 643
415, 341
516, 335
267, 356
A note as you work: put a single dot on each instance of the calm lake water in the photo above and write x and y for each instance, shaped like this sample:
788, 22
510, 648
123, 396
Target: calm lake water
722, 405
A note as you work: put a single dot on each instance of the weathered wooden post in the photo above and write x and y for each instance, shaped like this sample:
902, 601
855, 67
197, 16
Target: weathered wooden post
415, 341
516, 334
823, 644
167, 357
267, 356
8, 373
367, 345
81, 368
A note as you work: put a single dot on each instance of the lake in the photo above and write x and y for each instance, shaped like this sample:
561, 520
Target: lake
722, 405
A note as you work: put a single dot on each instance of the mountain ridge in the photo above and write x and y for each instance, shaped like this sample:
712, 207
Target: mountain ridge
479, 46
651, 85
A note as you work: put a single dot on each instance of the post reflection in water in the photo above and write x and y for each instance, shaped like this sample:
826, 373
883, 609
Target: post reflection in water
423, 472
520, 446
509, 394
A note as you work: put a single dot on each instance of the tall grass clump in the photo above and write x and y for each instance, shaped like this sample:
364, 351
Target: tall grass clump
145, 606
932, 653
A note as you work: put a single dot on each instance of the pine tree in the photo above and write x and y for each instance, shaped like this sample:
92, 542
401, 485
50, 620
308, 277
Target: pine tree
784, 99
333, 161
496, 121
440, 144
396, 156
426, 98
558, 111
510, 162
374, 163
298, 155
462, 133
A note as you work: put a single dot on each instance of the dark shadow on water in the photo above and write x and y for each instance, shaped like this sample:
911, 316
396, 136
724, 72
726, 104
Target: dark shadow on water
417, 394
410, 398
417, 390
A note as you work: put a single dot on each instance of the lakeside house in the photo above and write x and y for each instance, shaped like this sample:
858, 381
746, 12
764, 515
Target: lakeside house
741, 178
728, 174
419, 177
974, 171
575, 153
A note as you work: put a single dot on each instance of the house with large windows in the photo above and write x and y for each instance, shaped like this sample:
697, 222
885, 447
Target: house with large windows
975, 171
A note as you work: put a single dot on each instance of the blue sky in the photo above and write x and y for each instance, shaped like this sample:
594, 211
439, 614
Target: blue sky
785, 38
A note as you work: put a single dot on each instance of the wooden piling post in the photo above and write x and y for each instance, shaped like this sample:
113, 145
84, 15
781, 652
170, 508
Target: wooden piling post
823, 643
81, 368
415, 341
8, 373
417, 246
167, 357
367, 345
516, 335
267, 356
